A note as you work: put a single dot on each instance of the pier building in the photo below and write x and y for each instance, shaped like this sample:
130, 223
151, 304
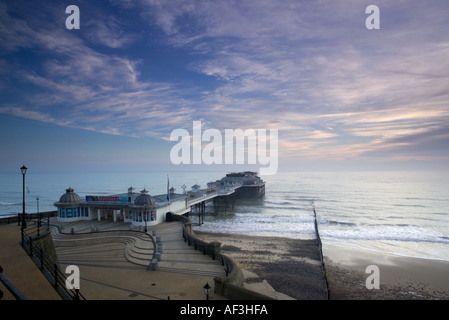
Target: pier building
142, 209
252, 186
137, 208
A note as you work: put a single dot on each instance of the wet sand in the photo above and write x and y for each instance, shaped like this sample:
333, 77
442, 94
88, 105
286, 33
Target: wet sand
293, 267
400, 278
290, 266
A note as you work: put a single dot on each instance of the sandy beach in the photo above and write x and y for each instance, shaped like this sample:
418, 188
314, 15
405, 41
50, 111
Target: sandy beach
401, 278
293, 267
290, 266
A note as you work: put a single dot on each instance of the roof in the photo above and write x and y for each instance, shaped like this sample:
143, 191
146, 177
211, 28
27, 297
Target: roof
144, 199
70, 197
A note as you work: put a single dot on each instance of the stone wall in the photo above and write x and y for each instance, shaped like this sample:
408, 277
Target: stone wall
230, 286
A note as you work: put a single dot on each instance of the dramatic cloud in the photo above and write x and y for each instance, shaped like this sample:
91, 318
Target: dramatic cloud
308, 68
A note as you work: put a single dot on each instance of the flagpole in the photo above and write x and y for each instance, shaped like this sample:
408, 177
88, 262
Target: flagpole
168, 192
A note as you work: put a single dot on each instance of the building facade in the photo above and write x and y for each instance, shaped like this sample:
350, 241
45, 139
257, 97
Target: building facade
139, 209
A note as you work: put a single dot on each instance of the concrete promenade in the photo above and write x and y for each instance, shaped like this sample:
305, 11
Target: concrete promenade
113, 265
20, 270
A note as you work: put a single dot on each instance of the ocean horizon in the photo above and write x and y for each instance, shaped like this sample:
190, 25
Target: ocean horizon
403, 213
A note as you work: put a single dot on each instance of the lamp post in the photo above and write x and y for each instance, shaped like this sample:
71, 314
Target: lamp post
24, 171
207, 288
38, 217
145, 217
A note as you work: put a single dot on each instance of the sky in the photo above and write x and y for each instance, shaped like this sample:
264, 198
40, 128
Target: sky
108, 95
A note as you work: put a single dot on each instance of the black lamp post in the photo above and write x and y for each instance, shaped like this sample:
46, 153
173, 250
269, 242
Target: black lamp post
145, 217
24, 171
207, 288
38, 217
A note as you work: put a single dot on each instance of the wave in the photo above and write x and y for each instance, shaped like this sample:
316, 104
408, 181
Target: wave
291, 208
278, 202
10, 203
385, 234
339, 223
409, 205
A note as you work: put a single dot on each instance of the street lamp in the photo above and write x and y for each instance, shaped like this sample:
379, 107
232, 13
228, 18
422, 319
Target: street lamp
24, 171
207, 288
38, 217
145, 217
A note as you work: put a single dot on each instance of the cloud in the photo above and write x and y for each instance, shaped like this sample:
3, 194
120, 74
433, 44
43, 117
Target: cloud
109, 32
309, 69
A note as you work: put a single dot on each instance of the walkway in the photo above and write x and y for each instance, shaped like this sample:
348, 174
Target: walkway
20, 270
113, 264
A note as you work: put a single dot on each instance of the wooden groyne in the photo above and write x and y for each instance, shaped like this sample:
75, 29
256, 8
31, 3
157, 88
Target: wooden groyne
320, 247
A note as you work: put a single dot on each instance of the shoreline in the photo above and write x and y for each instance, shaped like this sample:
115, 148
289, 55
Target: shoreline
293, 267
401, 277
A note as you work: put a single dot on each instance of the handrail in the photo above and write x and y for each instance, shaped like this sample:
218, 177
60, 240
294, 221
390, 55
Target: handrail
208, 249
28, 217
50, 269
11, 288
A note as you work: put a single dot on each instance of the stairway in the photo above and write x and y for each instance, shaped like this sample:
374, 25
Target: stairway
119, 246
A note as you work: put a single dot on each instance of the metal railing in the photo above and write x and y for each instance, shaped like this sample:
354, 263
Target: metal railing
11, 288
43, 216
49, 268
206, 249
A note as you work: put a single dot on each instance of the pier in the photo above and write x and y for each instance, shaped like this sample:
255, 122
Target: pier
82, 232
144, 210
222, 198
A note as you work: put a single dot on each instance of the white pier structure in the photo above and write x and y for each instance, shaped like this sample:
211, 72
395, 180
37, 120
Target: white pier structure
142, 209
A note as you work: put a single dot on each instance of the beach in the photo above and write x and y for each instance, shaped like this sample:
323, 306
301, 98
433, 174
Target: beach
401, 278
293, 267
290, 266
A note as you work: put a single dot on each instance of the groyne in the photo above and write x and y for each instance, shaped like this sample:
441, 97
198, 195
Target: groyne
320, 247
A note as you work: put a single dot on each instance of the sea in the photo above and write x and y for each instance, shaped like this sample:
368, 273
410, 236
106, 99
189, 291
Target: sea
401, 213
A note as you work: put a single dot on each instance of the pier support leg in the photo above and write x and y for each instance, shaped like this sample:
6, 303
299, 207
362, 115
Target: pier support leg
204, 210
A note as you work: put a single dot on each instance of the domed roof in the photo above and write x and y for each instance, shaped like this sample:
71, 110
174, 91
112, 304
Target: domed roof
144, 199
70, 196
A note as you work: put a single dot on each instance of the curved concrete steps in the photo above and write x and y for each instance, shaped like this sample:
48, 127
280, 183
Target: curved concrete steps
138, 247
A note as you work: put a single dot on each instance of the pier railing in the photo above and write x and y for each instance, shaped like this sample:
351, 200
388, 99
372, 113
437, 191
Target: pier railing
49, 268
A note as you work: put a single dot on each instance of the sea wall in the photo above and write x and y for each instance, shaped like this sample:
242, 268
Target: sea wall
45, 242
231, 285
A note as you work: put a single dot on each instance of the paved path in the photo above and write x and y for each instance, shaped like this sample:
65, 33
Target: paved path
113, 265
20, 269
